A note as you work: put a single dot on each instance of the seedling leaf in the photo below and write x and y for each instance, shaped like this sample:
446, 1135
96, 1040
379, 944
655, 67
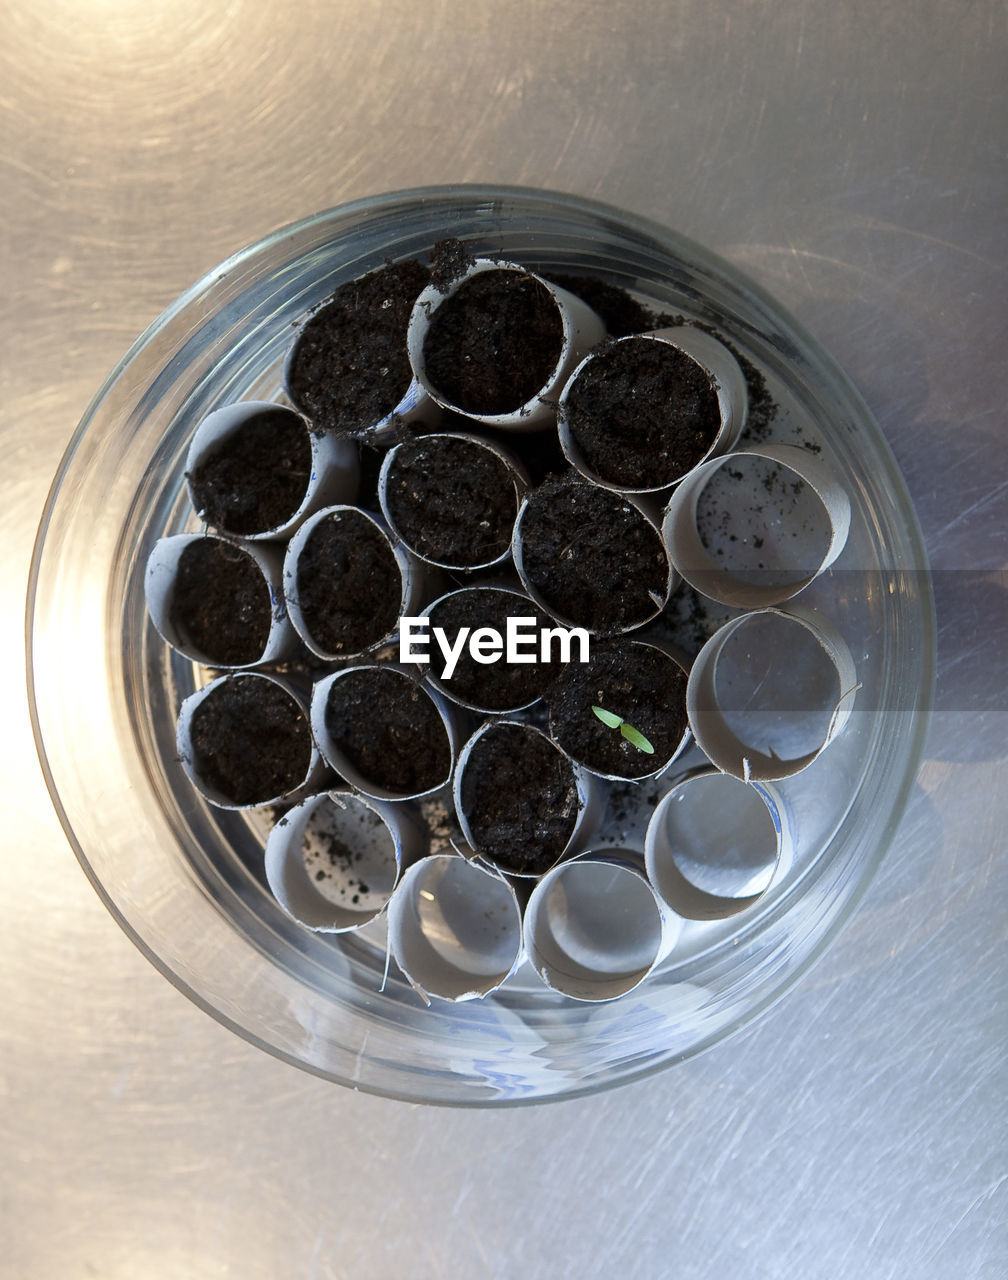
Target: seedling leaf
636, 738
608, 719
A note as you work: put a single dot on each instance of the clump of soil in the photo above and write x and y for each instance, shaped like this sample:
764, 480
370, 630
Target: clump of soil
349, 368
494, 342
349, 587
221, 603
450, 260
643, 413
520, 796
502, 685
389, 730
451, 500
251, 740
593, 557
256, 479
637, 682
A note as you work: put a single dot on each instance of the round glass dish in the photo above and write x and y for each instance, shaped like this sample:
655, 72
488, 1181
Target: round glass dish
186, 881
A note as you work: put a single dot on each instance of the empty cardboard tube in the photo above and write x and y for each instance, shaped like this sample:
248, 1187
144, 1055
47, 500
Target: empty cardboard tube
595, 928
710, 575
333, 861
715, 844
709, 718
455, 928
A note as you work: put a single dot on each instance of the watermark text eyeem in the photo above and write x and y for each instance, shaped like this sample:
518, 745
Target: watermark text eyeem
522, 641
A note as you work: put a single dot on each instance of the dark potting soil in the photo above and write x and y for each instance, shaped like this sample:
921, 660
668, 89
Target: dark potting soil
494, 342
620, 312
640, 684
450, 260
257, 478
521, 799
349, 587
221, 603
349, 368
592, 556
642, 413
501, 685
452, 500
389, 730
251, 740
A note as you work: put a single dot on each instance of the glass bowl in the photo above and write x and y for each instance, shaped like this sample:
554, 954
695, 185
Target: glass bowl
186, 881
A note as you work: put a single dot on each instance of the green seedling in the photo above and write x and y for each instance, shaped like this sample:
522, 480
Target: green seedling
632, 735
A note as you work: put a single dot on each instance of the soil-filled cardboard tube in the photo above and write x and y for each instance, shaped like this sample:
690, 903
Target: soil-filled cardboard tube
525, 682
790, 682
447, 488
657, 598
620, 734
455, 928
264, 564
432, 708
711, 575
588, 797
330, 474
244, 741
328, 367
384, 613
333, 861
582, 329
715, 844
594, 926
707, 356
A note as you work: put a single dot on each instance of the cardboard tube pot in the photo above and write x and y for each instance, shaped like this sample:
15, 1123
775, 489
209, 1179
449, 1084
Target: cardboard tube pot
347, 370
491, 687
218, 601
521, 803
715, 843
255, 470
813, 537
592, 558
455, 929
333, 861
641, 412
347, 583
769, 692
244, 741
628, 697
494, 305
383, 731
595, 928
452, 498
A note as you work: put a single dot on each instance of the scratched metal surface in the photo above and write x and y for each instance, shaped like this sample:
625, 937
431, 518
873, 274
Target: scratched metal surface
850, 157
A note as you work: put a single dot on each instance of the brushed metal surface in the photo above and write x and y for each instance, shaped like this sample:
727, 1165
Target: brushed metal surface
852, 159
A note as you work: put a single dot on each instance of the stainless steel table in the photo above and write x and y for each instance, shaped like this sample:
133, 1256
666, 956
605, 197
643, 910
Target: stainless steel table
852, 159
